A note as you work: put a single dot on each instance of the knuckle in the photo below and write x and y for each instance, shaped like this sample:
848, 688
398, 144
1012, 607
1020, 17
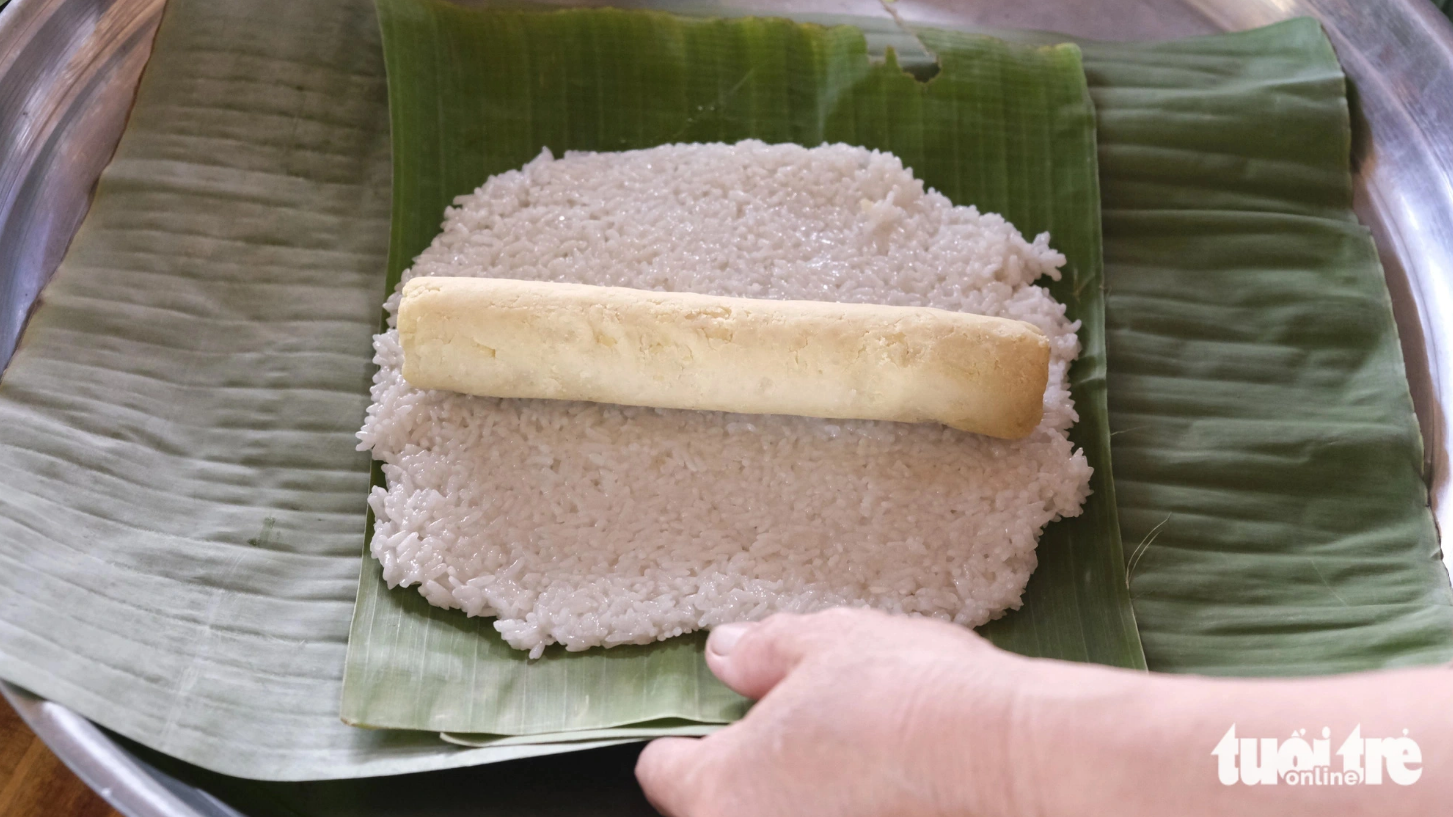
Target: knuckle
774, 628
667, 775
845, 615
778, 621
846, 621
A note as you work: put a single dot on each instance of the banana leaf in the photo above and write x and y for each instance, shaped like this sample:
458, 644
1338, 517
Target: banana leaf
1270, 472
1268, 462
181, 508
477, 92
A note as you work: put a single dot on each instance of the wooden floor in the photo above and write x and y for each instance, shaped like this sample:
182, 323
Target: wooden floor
34, 783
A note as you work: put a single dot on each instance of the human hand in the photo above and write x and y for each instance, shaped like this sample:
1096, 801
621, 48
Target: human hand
860, 713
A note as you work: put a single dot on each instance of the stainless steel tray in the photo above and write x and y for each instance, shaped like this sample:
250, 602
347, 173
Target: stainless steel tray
68, 72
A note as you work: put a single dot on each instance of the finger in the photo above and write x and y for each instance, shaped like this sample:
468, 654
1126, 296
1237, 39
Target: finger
754, 658
666, 771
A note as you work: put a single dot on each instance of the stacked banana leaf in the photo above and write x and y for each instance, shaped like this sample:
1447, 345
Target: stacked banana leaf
183, 509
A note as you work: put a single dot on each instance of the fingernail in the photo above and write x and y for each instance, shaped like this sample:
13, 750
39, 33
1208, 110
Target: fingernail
726, 636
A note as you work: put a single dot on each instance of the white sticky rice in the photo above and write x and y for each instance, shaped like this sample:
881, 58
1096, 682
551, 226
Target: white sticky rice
590, 525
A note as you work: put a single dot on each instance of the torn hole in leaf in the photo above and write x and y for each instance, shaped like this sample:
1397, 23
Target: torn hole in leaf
922, 67
896, 45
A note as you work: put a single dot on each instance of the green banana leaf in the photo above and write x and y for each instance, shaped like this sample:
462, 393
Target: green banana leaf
181, 508
473, 93
1268, 462
1270, 473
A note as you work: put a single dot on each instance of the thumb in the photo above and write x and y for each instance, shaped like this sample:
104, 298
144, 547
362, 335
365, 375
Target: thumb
666, 771
754, 658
